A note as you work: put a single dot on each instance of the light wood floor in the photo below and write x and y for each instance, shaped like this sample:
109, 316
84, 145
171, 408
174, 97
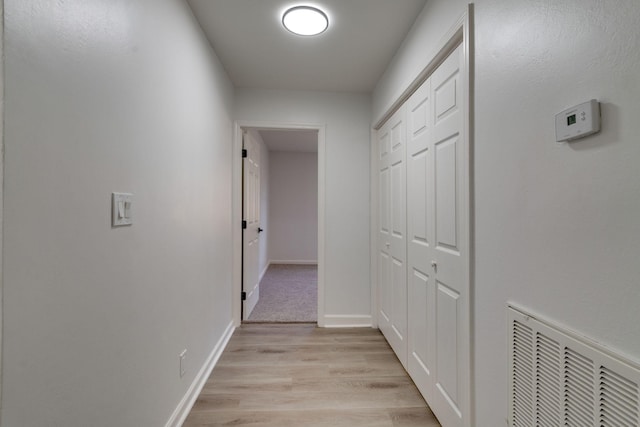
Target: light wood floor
301, 375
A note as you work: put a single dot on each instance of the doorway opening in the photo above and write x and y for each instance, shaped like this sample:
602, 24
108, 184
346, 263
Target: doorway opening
280, 193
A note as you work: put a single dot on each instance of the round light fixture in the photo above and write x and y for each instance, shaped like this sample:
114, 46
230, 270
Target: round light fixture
305, 20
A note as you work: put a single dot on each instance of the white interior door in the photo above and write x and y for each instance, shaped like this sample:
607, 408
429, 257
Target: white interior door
420, 228
251, 225
384, 232
392, 235
424, 297
449, 255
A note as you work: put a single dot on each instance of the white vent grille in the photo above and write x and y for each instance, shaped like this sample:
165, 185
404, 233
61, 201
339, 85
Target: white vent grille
560, 379
578, 390
548, 372
522, 369
618, 400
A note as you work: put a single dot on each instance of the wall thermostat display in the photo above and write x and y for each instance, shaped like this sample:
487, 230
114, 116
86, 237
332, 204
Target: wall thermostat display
578, 122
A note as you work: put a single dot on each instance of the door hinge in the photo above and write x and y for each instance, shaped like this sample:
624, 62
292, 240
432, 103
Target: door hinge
244, 224
244, 296
244, 153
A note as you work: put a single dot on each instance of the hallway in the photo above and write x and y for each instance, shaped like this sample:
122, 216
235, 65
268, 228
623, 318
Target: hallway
122, 214
301, 375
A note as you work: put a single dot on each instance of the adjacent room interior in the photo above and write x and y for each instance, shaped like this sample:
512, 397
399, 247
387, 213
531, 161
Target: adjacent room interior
288, 240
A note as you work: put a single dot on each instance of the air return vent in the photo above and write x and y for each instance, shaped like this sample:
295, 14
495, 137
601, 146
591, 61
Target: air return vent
557, 378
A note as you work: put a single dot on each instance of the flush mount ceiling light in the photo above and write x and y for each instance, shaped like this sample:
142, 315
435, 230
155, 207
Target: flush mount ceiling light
305, 20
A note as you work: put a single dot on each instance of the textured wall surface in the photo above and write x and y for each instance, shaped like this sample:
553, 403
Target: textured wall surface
557, 224
107, 96
293, 206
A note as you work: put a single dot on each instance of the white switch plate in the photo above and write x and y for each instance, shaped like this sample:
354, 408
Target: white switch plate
121, 204
578, 122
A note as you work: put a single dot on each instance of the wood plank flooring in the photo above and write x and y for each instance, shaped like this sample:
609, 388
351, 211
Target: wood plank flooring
298, 375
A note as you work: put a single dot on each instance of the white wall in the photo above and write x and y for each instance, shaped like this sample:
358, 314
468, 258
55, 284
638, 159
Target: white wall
420, 45
347, 119
293, 209
1, 186
111, 96
263, 256
557, 225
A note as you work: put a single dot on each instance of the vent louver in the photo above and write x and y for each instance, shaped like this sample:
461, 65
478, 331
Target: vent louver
548, 371
560, 379
522, 394
618, 400
578, 390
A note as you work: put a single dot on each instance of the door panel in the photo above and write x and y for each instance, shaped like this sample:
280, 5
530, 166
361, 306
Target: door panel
421, 363
424, 272
421, 329
446, 193
392, 234
438, 285
445, 94
450, 253
384, 202
399, 297
385, 290
384, 148
447, 342
418, 168
397, 200
384, 232
250, 235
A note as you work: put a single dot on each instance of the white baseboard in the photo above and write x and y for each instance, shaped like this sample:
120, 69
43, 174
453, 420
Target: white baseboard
266, 267
346, 321
296, 262
185, 405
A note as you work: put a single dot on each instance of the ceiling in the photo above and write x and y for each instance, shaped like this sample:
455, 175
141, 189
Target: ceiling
350, 56
302, 141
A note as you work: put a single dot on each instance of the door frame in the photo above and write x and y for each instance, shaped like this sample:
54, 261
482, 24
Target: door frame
461, 33
236, 209
248, 226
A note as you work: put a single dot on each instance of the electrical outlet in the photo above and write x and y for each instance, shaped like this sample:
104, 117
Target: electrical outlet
183, 362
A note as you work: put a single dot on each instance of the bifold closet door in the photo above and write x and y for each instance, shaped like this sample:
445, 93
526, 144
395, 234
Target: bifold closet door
423, 239
449, 254
437, 218
392, 245
420, 227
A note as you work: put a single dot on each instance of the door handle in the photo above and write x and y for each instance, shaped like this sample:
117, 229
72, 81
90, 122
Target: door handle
260, 230
434, 264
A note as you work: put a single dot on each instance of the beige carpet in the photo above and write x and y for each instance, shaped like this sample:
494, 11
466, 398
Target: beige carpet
288, 293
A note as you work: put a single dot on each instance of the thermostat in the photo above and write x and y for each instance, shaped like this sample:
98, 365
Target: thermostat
578, 122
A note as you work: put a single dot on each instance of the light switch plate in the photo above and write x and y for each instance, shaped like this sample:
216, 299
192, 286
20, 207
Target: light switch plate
578, 122
121, 204
183, 362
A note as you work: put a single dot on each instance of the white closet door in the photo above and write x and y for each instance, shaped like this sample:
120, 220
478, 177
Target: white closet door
420, 227
392, 246
438, 242
384, 231
449, 254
